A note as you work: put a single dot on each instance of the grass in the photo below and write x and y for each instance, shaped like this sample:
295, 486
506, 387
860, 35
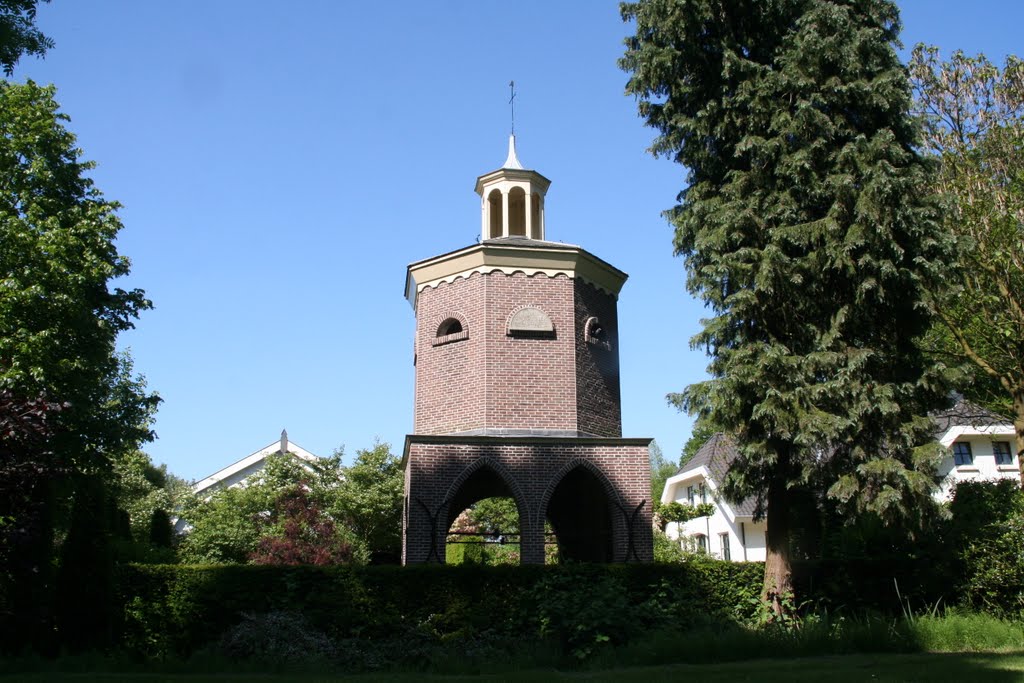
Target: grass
881, 668
952, 646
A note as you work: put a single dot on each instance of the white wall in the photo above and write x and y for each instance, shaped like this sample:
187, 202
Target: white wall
723, 521
984, 466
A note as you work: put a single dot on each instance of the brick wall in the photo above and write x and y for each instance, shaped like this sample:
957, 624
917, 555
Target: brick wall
598, 404
491, 379
531, 382
532, 468
449, 377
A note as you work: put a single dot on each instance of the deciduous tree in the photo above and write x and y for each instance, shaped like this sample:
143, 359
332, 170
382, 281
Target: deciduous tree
18, 33
808, 230
369, 500
59, 311
973, 116
261, 520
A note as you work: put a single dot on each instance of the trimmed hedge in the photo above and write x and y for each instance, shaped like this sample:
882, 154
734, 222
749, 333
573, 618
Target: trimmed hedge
175, 611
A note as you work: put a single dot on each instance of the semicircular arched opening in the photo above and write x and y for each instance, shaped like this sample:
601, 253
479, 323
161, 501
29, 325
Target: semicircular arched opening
517, 212
494, 207
484, 521
580, 515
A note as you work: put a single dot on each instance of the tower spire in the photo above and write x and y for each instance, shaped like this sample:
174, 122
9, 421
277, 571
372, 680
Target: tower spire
512, 161
512, 102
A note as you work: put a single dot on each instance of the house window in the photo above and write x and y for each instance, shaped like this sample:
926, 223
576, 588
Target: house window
702, 543
1002, 451
723, 543
689, 495
962, 453
703, 494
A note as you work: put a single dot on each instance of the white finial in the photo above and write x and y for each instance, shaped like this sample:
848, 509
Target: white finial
512, 161
284, 441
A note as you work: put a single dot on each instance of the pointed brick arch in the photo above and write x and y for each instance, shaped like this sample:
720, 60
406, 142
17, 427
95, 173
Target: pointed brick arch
502, 472
556, 479
585, 517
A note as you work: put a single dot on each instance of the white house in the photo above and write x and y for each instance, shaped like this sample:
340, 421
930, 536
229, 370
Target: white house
731, 533
236, 473
981, 447
980, 444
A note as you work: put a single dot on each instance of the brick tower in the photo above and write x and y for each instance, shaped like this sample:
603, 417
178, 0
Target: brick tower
517, 388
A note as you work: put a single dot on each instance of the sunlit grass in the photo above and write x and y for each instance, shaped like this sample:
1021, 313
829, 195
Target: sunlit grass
881, 668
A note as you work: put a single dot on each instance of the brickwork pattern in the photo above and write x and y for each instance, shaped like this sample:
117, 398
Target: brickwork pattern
532, 468
531, 380
450, 385
496, 380
598, 402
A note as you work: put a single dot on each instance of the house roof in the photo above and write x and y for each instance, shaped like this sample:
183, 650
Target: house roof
966, 414
253, 462
715, 456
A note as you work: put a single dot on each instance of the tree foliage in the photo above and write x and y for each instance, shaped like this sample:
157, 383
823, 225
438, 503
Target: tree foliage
18, 33
973, 118
808, 230
240, 524
346, 514
150, 496
369, 500
59, 320
661, 470
298, 532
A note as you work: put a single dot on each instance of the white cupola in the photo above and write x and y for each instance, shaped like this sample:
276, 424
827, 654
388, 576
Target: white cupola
512, 200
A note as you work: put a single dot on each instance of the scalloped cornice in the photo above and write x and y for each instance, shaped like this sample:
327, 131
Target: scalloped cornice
538, 258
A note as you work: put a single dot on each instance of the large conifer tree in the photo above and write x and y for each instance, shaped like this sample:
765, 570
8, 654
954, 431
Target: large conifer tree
807, 228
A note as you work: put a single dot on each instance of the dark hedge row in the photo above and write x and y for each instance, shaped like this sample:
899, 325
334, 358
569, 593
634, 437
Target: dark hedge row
174, 611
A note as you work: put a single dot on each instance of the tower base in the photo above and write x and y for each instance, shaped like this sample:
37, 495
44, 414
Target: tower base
594, 491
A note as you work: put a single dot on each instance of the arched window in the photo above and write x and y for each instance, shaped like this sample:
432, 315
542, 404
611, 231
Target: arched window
451, 329
494, 211
701, 541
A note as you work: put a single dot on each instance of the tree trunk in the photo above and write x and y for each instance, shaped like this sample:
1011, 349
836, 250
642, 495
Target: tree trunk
778, 569
1018, 427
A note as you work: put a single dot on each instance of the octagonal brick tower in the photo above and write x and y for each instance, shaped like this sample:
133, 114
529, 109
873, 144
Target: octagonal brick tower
517, 387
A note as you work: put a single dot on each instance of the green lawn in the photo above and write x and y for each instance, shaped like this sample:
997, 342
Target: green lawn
933, 668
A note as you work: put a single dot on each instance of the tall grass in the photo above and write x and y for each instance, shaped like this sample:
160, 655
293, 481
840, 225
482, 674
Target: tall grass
819, 635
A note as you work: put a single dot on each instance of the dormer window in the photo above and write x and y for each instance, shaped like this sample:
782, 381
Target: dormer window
450, 330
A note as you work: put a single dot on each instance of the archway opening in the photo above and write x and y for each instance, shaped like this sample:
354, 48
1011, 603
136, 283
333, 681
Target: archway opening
484, 522
580, 516
517, 212
494, 212
535, 222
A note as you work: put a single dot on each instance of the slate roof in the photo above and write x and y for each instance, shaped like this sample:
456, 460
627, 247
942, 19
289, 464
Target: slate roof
965, 413
716, 455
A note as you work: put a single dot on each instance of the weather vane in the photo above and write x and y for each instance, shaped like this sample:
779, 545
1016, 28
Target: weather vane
512, 101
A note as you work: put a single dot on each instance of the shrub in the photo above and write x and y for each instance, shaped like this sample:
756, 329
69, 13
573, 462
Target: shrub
174, 611
276, 637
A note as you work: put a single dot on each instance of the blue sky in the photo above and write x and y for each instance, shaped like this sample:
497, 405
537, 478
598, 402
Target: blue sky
281, 163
